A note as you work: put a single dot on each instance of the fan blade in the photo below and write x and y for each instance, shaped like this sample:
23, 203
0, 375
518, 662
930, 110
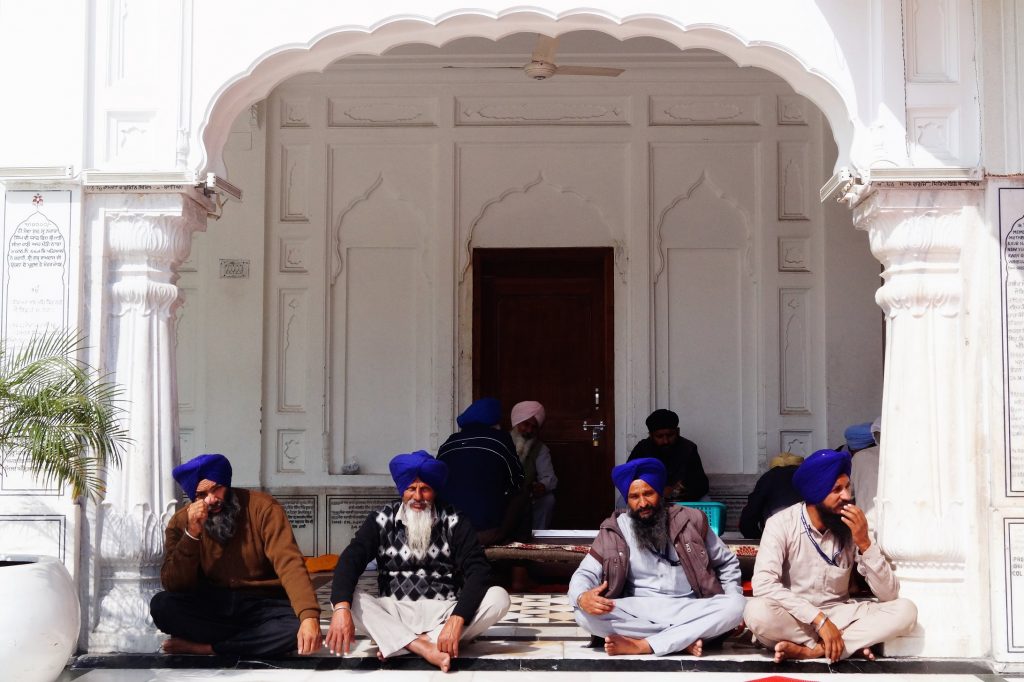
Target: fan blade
455, 66
545, 50
587, 71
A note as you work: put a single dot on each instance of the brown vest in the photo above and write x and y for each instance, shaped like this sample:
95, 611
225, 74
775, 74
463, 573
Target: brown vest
686, 527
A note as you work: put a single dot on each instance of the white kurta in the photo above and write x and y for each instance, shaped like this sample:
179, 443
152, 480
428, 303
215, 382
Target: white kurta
659, 605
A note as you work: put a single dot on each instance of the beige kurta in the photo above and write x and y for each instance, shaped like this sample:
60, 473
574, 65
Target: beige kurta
792, 583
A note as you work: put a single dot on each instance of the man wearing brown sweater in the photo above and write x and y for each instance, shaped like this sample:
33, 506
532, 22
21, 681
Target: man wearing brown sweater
235, 580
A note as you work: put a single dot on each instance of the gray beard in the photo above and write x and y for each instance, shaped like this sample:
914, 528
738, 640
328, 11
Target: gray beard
418, 526
522, 444
222, 525
652, 533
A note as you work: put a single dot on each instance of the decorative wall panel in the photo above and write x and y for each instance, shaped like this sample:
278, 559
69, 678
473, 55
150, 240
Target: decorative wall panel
794, 351
392, 111
295, 182
931, 41
381, 350
292, 367
935, 136
291, 451
793, 181
505, 111
293, 255
794, 254
704, 110
187, 348
34, 534
295, 112
797, 442
130, 137
792, 110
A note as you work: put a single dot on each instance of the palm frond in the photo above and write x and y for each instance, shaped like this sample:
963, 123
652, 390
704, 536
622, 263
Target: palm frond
59, 419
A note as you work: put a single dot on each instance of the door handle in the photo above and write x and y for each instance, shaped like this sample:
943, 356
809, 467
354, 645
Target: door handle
596, 431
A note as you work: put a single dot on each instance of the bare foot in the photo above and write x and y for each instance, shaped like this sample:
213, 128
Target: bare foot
617, 645
428, 651
790, 651
380, 656
177, 645
696, 649
867, 653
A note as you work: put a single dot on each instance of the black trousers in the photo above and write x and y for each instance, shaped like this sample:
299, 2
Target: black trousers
234, 622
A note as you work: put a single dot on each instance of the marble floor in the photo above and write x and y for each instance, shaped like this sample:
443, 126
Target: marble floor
537, 639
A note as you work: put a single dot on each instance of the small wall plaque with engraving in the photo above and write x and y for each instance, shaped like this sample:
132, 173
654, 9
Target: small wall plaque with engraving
234, 268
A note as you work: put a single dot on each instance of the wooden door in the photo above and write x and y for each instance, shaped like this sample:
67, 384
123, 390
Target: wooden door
542, 330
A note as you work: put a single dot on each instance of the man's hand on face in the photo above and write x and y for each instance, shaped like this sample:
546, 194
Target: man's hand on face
309, 638
197, 513
854, 518
593, 603
451, 633
831, 640
341, 633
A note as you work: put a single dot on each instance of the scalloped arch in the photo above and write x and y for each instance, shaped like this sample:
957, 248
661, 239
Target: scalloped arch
837, 101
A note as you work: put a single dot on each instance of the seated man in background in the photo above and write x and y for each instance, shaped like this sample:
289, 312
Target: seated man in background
485, 478
773, 492
864, 442
687, 481
431, 573
235, 578
801, 606
527, 419
657, 578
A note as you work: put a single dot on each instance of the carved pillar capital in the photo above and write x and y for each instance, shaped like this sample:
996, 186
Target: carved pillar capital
918, 236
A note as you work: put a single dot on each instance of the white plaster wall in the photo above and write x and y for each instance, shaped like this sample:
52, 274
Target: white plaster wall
854, 324
221, 324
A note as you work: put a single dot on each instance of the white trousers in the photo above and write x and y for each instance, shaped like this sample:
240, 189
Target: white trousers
393, 623
864, 623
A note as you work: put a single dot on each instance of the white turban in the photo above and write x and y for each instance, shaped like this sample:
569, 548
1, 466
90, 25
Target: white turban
526, 409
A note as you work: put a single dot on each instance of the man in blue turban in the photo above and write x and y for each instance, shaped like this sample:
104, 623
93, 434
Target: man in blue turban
657, 578
801, 606
485, 477
234, 578
432, 574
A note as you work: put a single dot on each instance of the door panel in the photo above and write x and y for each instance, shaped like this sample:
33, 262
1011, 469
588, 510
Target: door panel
543, 331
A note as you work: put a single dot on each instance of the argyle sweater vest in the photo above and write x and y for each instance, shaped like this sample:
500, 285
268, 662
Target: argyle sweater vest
404, 576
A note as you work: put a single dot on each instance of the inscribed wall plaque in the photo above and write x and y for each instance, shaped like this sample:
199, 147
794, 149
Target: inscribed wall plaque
346, 512
1011, 230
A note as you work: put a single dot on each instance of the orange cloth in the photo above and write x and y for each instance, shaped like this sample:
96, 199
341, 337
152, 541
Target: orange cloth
322, 563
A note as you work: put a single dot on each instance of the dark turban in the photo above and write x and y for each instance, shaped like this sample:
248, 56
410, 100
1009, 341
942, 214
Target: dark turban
486, 411
214, 468
407, 468
859, 436
647, 469
815, 478
662, 419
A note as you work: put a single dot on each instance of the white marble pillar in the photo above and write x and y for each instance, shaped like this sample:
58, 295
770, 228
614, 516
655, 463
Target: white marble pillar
147, 237
928, 499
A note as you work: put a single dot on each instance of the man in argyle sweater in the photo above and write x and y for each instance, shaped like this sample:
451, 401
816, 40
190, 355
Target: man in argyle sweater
432, 574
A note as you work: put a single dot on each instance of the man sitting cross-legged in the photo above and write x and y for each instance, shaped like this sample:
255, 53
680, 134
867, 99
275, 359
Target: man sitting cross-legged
235, 579
801, 606
657, 579
431, 572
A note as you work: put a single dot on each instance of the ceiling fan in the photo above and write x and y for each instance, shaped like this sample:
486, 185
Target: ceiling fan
542, 64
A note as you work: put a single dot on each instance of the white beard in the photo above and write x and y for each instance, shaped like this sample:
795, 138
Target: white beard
522, 444
418, 524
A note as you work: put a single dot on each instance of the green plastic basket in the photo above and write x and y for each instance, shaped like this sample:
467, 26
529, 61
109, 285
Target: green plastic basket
715, 511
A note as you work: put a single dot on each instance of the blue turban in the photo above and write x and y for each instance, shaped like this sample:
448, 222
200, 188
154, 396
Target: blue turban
407, 468
815, 478
214, 468
647, 469
486, 411
859, 436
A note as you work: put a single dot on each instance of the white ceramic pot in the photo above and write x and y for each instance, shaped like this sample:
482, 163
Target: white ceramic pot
39, 618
